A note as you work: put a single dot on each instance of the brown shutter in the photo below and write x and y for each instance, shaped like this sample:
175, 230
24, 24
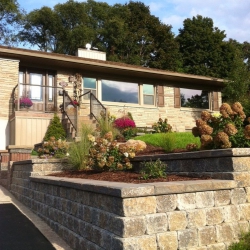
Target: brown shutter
177, 98
160, 97
215, 103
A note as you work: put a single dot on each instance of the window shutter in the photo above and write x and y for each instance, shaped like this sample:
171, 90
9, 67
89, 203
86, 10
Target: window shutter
160, 97
177, 98
215, 101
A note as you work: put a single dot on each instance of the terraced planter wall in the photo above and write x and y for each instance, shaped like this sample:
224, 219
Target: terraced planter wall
226, 164
88, 214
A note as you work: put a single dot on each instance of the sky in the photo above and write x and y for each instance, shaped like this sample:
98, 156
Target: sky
232, 16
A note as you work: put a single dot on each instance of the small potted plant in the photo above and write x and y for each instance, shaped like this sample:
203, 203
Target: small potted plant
25, 102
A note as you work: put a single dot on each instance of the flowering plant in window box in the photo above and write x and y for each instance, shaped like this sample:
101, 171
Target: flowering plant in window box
25, 102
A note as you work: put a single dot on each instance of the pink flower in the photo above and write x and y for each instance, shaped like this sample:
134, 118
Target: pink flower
124, 123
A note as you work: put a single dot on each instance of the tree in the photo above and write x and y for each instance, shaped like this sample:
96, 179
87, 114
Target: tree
127, 33
40, 29
134, 36
10, 19
203, 50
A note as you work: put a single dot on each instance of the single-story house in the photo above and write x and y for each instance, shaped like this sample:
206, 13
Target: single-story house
148, 94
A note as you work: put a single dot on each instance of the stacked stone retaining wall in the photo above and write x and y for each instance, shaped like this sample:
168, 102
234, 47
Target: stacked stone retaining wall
88, 214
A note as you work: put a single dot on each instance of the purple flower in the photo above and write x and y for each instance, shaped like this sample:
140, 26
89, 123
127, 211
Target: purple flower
25, 102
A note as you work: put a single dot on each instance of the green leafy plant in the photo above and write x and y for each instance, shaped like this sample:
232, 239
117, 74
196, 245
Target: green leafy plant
243, 244
153, 169
79, 150
162, 126
55, 129
223, 130
53, 148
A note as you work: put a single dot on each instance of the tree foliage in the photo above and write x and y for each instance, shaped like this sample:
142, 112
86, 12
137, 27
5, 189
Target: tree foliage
202, 48
10, 19
127, 33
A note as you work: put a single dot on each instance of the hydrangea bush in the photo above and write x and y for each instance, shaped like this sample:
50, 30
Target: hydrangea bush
223, 130
53, 148
162, 126
106, 154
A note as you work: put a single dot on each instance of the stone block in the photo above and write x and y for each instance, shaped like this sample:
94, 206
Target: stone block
222, 197
156, 223
205, 199
139, 206
245, 211
207, 235
129, 226
238, 196
177, 220
196, 218
188, 238
214, 215
231, 213
225, 232
166, 203
167, 240
137, 243
186, 201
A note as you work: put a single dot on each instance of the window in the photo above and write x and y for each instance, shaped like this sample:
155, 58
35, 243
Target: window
113, 91
118, 91
89, 84
194, 98
39, 86
36, 92
148, 94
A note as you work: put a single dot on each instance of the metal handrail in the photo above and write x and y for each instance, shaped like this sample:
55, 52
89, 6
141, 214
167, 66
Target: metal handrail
91, 106
65, 94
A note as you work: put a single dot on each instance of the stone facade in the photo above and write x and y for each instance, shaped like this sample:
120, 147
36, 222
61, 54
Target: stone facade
88, 214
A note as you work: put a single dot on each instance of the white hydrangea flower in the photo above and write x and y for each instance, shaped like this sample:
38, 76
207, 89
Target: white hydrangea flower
125, 154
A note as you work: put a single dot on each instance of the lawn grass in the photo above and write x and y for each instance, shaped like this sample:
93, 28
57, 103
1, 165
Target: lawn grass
170, 141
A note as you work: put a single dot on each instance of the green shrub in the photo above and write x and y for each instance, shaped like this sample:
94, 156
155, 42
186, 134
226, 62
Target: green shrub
55, 129
153, 169
223, 130
162, 126
79, 151
243, 244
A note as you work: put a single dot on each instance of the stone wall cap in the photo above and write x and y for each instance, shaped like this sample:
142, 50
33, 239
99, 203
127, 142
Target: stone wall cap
238, 152
129, 190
